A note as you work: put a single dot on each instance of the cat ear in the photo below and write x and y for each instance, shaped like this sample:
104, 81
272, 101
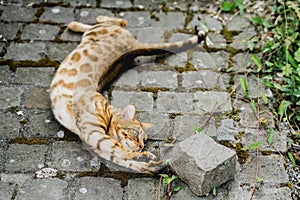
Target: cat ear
146, 125
128, 112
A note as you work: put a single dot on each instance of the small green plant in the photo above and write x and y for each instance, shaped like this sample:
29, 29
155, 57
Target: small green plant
254, 145
230, 6
167, 180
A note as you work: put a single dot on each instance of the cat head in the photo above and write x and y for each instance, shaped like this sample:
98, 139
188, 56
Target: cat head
111, 20
127, 130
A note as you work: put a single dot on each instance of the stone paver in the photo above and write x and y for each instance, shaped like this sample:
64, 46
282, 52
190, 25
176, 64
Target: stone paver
25, 158
100, 188
181, 95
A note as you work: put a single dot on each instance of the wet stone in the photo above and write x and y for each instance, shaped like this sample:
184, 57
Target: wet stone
9, 31
72, 157
161, 79
128, 79
212, 101
171, 102
38, 98
214, 60
42, 189
141, 188
42, 125
142, 100
9, 126
38, 76
204, 79
137, 19
211, 23
39, 32
26, 51
6, 190
89, 15
102, 188
10, 97
116, 4
24, 158
58, 15
13, 13
58, 51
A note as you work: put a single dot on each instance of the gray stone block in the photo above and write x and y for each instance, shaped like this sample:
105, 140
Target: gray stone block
128, 79
39, 32
207, 20
89, 15
204, 79
159, 79
38, 98
42, 125
42, 189
172, 102
16, 13
72, 157
58, 51
9, 126
10, 97
142, 100
241, 61
6, 190
69, 35
227, 131
137, 19
202, 163
217, 41
26, 51
25, 158
38, 76
178, 60
241, 41
116, 4
170, 20
58, 15
5, 75
9, 31
141, 188
239, 23
99, 188
79, 3
212, 101
148, 34
213, 60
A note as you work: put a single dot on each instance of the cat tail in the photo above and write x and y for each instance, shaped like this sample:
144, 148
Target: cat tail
173, 47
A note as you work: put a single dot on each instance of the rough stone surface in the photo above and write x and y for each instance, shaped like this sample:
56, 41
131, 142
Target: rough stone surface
215, 60
227, 131
9, 31
10, 97
171, 102
6, 190
208, 21
26, 51
58, 15
212, 101
202, 163
165, 79
100, 188
42, 189
34, 76
9, 126
38, 98
25, 158
16, 13
89, 15
58, 51
142, 100
39, 32
71, 156
144, 188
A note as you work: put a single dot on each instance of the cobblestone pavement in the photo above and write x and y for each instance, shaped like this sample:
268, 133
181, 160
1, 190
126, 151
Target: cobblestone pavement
39, 159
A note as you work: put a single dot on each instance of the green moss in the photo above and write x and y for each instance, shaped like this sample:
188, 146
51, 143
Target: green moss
23, 140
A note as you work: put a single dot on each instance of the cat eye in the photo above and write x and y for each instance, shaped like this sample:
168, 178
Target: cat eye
135, 133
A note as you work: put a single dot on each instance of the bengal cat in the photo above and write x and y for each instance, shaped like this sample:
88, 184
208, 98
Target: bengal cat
113, 134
